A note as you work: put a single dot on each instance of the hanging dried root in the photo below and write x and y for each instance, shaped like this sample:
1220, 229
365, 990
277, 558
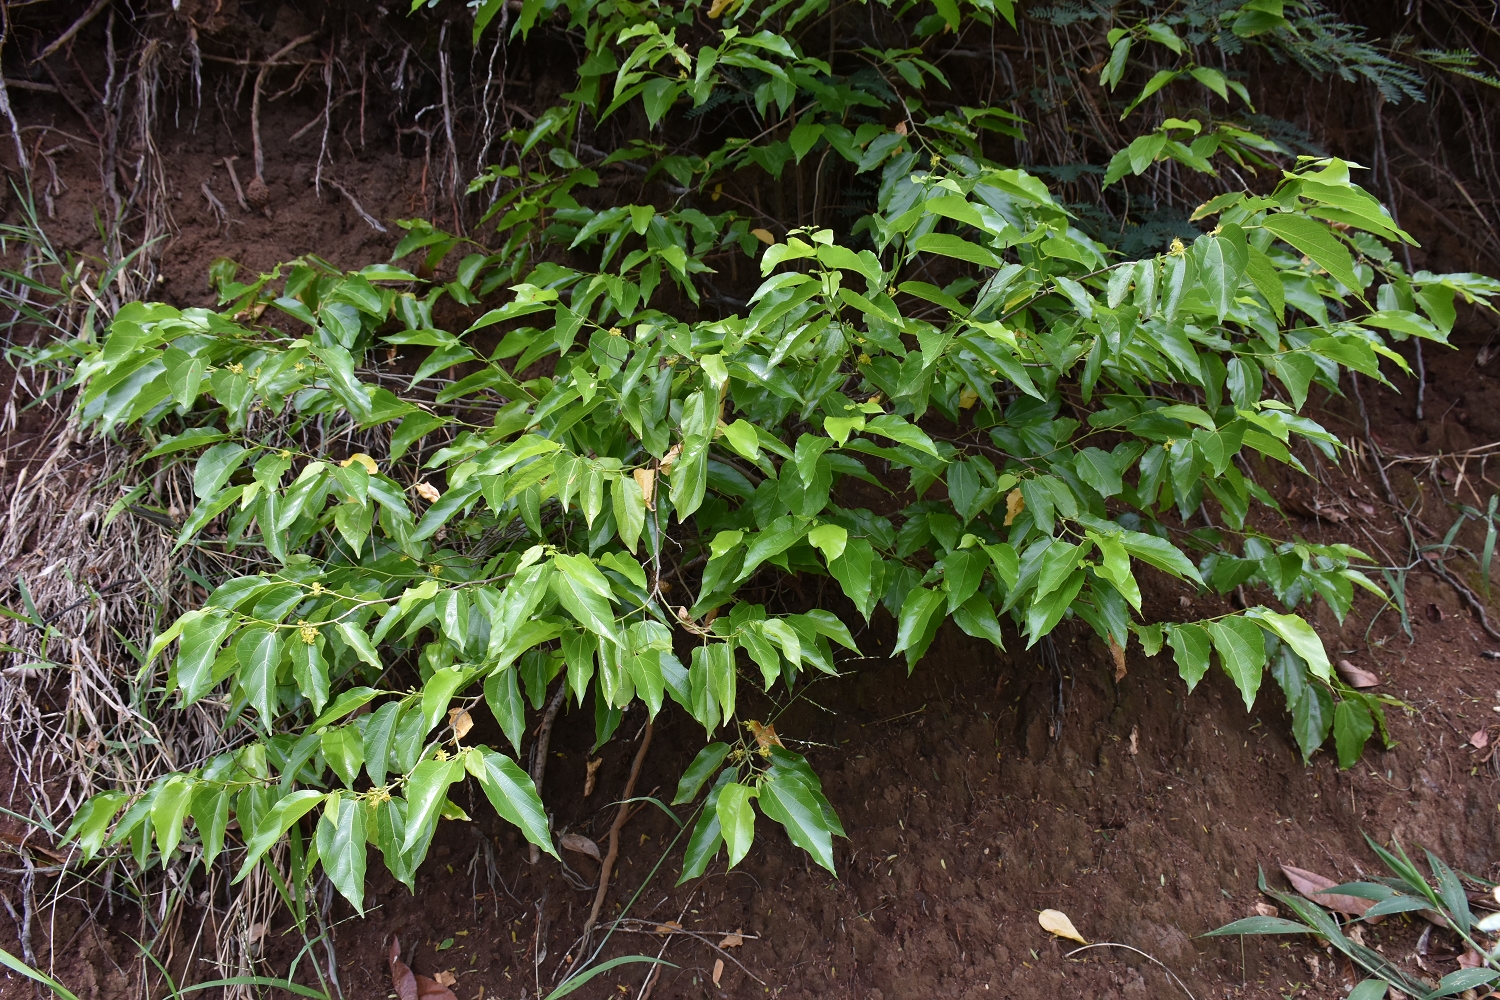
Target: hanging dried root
256, 192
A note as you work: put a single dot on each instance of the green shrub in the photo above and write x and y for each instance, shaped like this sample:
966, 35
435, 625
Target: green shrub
1043, 416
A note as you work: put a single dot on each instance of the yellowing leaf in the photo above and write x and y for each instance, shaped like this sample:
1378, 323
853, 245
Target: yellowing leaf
1014, 504
764, 235
362, 459
1057, 922
646, 479
765, 736
720, 6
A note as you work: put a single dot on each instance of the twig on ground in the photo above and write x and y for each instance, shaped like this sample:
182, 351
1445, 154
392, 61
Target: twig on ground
234, 181
221, 214
1116, 944
614, 832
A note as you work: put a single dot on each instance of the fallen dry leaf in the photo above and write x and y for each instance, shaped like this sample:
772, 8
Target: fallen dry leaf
1057, 922
591, 774
579, 844
718, 970
732, 940
1312, 885
1264, 909
669, 927
1118, 652
1014, 504
1470, 959
445, 978
1480, 740
413, 987
1135, 740
427, 492
1357, 677
461, 722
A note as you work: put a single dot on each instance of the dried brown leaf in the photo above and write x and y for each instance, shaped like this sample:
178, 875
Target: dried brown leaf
579, 844
667, 928
591, 774
1357, 677
1264, 909
1313, 886
1480, 740
765, 736
732, 940
718, 970
1118, 652
427, 492
445, 978
461, 722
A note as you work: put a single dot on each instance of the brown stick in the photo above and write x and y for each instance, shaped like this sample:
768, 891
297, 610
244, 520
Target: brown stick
234, 181
539, 746
614, 833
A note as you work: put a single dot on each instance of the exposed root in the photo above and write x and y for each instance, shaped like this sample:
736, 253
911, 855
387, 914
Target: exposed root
614, 834
370, 220
256, 191
234, 181
539, 747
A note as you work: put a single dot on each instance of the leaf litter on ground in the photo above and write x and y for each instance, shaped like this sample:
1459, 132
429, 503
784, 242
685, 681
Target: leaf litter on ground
410, 986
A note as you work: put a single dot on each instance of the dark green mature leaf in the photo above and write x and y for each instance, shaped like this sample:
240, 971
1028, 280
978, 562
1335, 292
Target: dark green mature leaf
341, 846
512, 793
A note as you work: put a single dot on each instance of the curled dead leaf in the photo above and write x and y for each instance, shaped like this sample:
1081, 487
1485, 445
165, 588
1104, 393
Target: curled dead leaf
413, 987
1314, 886
591, 773
1135, 740
1264, 909
1057, 922
1357, 677
1117, 651
732, 940
579, 844
461, 722
765, 736
670, 458
1470, 959
900, 128
445, 978
1014, 504
646, 479
718, 970
669, 927
427, 492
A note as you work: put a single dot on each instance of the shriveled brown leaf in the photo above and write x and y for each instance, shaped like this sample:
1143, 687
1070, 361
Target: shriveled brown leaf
445, 978
1135, 740
579, 844
732, 940
765, 736
718, 970
1118, 652
1313, 886
591, 774
1264, 909
1357, 677
1470, 959
427, 492
667, 928
461, 722
1014, 504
